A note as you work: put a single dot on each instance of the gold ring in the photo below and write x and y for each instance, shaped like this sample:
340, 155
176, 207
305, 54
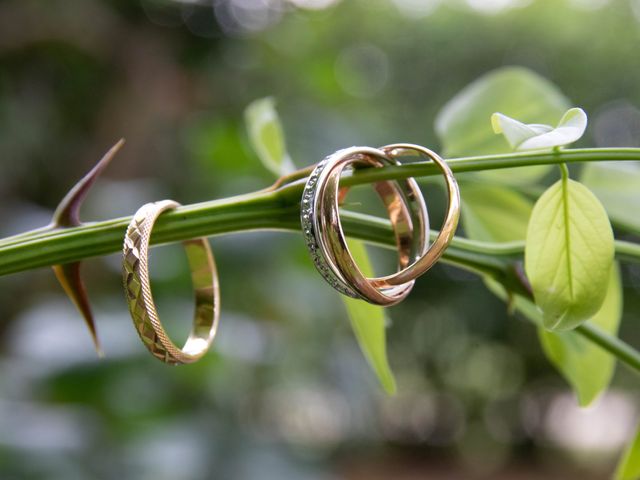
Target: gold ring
135, 271
323, 231
449, 226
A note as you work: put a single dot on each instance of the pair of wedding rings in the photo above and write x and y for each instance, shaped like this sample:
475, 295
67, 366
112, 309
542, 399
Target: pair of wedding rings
407, 211
323, 235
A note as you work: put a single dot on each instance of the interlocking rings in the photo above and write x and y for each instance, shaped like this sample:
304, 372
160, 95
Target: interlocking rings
325, 238
326, 241
135, 270
450, 223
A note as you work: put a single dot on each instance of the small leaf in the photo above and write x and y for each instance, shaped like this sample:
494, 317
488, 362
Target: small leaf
536, 136
67, 215
568, 254
266, 136
629, 467
493, 213
586, 366
516, 132
462, 124
369, 324
616, 184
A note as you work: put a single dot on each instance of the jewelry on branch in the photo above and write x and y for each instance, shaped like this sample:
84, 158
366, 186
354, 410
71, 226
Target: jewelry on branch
323, 230
135, 271
450, 223
325, 238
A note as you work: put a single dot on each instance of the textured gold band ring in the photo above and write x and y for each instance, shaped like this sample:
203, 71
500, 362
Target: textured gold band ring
135, 271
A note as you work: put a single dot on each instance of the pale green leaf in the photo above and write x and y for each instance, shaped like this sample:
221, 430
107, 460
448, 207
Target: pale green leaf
515, 132
536, 136
568, 254
463, 126
617, 186
493, 213
266, 136
369, 323
629, 467
586, 366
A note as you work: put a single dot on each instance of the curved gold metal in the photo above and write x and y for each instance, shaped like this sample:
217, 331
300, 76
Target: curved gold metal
135, 271
407, 212
449, 226
325, 238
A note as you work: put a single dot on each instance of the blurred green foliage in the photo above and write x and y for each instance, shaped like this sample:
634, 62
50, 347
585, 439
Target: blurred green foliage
285, 392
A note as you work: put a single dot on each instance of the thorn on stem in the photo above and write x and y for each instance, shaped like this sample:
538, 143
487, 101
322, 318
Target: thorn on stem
68, 212
67, 215
69, 277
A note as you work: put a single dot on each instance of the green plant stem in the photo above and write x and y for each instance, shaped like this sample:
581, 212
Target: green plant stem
277, 208
495, 162
624, 352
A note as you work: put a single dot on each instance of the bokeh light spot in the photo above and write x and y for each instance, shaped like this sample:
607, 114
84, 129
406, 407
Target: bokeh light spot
362, 70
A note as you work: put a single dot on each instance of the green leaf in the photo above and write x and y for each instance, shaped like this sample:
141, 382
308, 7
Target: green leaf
616, 186
369, 324
568, 254
586, 366
463, 123
536, 136
493, 213
266, 136
629, 467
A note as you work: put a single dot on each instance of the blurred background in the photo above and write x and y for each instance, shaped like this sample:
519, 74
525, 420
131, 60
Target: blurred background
285, 393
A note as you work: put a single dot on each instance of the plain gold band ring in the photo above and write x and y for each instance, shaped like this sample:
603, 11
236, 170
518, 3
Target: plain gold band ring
449, 226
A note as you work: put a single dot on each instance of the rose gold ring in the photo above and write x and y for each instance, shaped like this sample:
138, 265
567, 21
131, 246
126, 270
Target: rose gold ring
323, 230
449, 226
407, 211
